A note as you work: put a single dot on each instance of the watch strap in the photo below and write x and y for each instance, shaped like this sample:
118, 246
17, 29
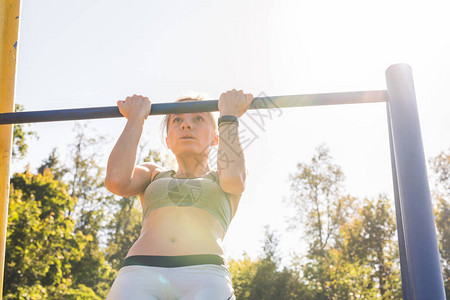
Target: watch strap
227, 119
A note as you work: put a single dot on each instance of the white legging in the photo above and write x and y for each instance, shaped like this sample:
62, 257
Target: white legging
199, 282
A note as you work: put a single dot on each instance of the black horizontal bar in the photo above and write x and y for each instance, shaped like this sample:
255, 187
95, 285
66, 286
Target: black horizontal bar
194, 106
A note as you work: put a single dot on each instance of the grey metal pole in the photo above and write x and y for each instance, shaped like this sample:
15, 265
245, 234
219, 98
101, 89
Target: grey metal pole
406, 282
421, 247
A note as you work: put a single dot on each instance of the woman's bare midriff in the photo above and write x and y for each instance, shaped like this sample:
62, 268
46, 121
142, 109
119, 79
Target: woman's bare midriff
175, 230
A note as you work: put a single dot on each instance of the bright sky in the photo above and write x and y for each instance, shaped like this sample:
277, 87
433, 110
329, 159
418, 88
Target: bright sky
93, 52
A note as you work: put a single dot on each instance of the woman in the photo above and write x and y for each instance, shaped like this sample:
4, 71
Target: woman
186, 213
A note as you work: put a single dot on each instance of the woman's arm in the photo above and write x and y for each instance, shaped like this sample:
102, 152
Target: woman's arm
231, 159
123, 178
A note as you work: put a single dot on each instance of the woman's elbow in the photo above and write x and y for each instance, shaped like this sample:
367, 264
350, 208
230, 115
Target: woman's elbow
115, 186
235, 186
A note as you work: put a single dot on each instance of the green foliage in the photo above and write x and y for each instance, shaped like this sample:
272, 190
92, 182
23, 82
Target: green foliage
443, 227
318, 201
348, 279
71, 292
352, 253
242, 273
440, 171
440, 167
262, 279
85, 179
266, 283
86, 274
20, 134
366, 251
59, 218
53, 164
155, 157
41, 242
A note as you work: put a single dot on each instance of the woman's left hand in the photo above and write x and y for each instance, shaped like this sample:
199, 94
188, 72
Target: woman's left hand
234, 103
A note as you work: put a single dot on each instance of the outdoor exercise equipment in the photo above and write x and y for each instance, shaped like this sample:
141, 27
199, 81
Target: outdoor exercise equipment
419, 255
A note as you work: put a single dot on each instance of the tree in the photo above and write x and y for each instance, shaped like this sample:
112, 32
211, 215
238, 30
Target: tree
242, 273
443, 226
20, 134
85, 179
366, 246
321, 208
85, 183
262, 279
54, 165
318, 201
440, 171
265, 284
351, 251
41, 241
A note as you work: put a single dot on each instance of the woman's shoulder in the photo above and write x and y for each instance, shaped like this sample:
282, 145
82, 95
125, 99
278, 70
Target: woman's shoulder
213, 175
153, 169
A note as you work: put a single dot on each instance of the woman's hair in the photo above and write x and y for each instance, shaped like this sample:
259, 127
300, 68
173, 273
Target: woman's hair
166, 119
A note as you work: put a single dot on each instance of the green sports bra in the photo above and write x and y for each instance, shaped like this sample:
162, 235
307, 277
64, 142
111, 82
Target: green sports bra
202, 192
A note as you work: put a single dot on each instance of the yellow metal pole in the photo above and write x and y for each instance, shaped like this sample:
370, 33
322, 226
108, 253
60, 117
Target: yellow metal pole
9, 32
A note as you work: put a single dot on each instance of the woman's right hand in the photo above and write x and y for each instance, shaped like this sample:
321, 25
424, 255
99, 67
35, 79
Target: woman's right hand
135, 107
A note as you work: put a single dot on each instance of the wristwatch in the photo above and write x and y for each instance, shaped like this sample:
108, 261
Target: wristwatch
227, 119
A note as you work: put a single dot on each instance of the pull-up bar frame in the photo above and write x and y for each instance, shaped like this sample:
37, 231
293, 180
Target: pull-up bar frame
419, 254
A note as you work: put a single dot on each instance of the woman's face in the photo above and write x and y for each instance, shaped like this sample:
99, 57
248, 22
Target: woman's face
191, 134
